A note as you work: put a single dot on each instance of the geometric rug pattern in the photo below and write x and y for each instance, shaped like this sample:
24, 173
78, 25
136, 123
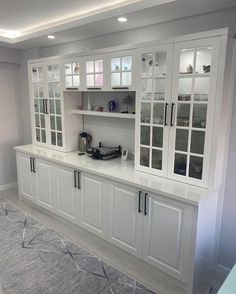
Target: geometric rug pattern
37, 260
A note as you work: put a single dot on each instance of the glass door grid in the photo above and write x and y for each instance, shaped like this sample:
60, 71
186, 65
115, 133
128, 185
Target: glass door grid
54, 96
191, 107
153, 110
38, 79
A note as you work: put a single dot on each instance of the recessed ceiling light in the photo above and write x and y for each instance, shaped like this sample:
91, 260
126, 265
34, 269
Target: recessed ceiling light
51, 37
122, 19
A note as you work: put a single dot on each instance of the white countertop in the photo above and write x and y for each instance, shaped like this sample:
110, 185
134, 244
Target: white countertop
122, 171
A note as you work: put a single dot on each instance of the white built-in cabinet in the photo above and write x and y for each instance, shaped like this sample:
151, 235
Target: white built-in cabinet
175, 109
160, 231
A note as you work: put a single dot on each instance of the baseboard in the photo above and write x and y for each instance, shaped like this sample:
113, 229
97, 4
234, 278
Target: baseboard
219, 270
8, 186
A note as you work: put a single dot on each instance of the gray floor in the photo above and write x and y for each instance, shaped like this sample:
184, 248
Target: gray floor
130, 265
37, 260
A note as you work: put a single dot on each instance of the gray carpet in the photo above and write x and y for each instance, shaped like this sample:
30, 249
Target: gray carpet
37, 260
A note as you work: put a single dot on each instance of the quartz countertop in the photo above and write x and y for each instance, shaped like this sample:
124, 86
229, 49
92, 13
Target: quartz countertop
121, 171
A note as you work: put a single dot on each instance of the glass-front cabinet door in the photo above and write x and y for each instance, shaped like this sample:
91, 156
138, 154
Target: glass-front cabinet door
121, 70
153, 102
54, 106
192, 107
38, 94
95, 72
46, 105
72, 74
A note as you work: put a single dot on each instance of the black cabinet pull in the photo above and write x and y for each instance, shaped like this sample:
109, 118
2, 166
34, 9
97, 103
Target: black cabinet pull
78, 180
31, 167
120, 88
166, 106
145, 203
45, 106
94, 88
75, 184
34, 167
139, 201
171, 114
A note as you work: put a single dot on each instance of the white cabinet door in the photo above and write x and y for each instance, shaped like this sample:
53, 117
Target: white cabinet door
46, 96
125, 221
121, 70
68, 192
93, 205
26, 176
38, 98
95, 72
152, 108
168, 237
72, 74
45, 175
193, 98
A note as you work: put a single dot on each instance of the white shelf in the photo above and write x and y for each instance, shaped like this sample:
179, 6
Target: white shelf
105, 114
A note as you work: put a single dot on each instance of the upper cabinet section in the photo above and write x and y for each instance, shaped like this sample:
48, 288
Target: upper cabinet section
73, 74
106, 72
46, 105
193, 99
95, 73
175, 110
152, 131
121, 71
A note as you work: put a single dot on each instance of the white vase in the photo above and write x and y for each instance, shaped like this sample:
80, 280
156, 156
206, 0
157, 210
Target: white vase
89, 107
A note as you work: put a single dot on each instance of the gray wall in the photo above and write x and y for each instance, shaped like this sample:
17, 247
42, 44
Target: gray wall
11, 132
227, 253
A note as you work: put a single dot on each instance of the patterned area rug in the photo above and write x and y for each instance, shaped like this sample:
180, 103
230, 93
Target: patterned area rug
37, 260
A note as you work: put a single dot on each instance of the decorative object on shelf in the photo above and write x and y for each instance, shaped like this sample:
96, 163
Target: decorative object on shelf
89, 106
184, 97
144, 66
111, 105
81, 107
206, 68
128, 101
99, 108
190, 69
77, 68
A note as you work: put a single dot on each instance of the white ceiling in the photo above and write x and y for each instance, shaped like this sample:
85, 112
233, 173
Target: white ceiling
32, 20
24, 19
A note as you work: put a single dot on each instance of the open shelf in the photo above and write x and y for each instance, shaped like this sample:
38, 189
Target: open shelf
105, 114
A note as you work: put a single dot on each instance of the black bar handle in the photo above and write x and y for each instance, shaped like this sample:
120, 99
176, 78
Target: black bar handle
120, 88
94, 88
165, 122
75, 184
78, 180
139, 201
34, 167
31, 168
45, 106
145, 203
171, 114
